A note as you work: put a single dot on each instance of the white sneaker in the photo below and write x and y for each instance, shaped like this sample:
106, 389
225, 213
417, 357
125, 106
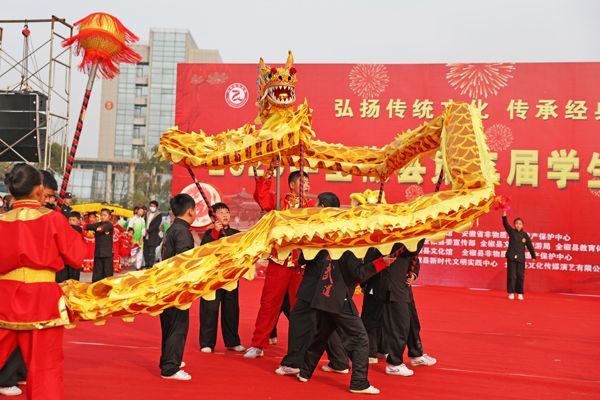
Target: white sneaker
253, 352
370, 390
10, 391
285, 370
206, 350
273, 340
511, 296
382, 356
401, 370
327, 368
301, 378
520, 297
425, 360
373, 360
180, 375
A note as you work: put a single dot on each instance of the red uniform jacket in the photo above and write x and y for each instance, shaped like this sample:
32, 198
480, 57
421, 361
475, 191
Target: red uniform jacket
266, 200
42, 241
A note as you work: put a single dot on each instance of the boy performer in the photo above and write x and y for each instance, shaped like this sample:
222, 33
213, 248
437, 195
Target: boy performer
174, 323
228, 301
518, 240
282, 276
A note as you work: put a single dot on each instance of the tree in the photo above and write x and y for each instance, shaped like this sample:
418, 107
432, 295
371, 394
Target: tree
152, 180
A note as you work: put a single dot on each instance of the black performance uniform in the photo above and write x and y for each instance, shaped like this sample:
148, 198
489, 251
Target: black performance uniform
515, 257
303, 319
229, 303
13, 370
69, 272
335, 310
66, 210
152, 240
103, 251
391, 290
174, 323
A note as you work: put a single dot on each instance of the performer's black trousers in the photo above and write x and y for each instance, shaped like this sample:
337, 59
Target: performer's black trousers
302, 331
516, 276
67, 273
372, 316
230, 319
13, 370
415, 347
174, 324
285, 309
103, 267
396, 326
149, 255
356, 341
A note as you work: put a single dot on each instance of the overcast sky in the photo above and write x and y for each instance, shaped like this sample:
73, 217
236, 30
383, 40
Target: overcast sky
365, 31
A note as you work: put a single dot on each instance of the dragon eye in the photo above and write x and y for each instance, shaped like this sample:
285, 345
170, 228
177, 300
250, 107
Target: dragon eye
270, 76
280, 77
289, 78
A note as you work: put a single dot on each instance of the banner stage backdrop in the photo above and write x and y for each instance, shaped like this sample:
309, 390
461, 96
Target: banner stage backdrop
542, 122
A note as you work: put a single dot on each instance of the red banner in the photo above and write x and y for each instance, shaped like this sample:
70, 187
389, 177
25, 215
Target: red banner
542, 123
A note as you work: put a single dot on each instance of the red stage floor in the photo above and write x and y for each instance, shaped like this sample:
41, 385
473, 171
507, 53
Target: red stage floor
547, 347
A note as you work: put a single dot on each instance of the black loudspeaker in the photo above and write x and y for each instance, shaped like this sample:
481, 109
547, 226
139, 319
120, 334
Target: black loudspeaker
22, 126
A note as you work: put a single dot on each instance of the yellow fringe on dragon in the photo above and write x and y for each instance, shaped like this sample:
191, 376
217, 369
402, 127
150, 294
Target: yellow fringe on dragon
180, 280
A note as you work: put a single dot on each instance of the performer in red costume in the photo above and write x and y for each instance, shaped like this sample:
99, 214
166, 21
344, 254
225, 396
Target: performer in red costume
282, 276
32, 310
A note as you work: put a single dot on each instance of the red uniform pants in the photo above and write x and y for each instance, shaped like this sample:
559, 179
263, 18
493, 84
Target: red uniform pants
279, 280
43, 354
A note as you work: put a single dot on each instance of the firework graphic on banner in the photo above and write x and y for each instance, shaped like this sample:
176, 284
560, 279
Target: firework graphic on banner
498, 137
368, 80
479, 80
413, 191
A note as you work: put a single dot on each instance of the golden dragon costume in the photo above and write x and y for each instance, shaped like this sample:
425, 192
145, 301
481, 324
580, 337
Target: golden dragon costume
178, 281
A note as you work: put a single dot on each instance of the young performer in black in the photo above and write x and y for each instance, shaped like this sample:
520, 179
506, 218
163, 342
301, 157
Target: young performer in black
395, 294
518, 239
13, 372
413, 342
227, 300
69, 272
103, 251
174, 323
336, 310
372, 316
303, 318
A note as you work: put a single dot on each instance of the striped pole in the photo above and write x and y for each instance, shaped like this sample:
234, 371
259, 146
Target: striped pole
439, 181
75, 143
301, 175
380, 197
211, 214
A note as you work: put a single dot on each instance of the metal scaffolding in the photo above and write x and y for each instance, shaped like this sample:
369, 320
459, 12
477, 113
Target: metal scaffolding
45, 68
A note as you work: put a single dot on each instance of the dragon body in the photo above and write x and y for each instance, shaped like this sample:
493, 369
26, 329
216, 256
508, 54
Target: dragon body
178, 281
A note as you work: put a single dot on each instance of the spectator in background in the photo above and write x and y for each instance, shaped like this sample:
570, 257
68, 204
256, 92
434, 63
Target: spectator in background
103, 252
69, 272
152, 238
50, 188
138, 224
66, 206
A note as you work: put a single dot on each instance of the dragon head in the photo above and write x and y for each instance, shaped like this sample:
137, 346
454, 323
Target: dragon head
276, 88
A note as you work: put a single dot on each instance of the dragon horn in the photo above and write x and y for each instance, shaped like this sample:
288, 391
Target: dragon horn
262, 67
290, 60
